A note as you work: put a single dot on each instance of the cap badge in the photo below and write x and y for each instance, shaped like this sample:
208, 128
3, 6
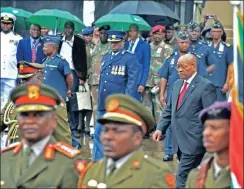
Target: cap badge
113, 105
33, 92
113, 36
6, 17
21, 67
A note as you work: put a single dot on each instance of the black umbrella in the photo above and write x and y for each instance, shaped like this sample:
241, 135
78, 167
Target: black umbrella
154, 13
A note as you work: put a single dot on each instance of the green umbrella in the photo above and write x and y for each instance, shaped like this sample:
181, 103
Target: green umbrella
122, 22
21, 16
55, 19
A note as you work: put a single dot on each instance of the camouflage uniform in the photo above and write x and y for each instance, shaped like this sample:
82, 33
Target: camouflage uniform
159, 53
94, 72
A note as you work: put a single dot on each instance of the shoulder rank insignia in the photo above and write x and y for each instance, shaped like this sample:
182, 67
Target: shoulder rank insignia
11, 146
227, 44
170, 179
66, 149
129, 52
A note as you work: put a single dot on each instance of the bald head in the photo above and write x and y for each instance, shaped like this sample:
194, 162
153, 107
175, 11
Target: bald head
187, 66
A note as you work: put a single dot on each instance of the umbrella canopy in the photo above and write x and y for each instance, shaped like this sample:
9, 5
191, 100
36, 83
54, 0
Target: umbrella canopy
122, 22
55, 19
21, 15
154, 13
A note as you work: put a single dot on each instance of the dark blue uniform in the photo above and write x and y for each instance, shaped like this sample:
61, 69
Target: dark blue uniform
119, 74
224, 55
55, 72
205, 52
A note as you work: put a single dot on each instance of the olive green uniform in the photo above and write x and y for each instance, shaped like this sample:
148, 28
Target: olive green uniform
9, 119
139, 171
222, 181
58, 170
159, 53
172, 43
94, 72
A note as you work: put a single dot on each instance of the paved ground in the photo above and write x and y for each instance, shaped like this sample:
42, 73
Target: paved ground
151, 148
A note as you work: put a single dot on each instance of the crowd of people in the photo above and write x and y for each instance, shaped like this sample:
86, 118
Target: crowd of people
140, 84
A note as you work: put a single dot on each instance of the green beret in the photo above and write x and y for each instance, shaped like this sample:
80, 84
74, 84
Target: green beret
125, 109
28, 69
34, 97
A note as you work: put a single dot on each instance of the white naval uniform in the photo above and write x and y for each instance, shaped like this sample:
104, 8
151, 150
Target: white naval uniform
9, 44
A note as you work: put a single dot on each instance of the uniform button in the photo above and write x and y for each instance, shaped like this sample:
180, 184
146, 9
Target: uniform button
44, 78
105, 81
145, 156
45, 71
210, 74
104, 90
213, 51
106, 73
109, 66
17, 136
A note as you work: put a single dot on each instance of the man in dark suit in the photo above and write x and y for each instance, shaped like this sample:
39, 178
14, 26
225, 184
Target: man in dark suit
143, 52
191, 93
30, 48
73, 49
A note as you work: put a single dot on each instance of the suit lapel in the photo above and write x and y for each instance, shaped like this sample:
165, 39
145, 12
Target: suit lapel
189, 90
28, 46
177, 94
126, 171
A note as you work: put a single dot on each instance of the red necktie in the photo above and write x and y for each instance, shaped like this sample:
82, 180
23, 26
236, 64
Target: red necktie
182, 94
33, 50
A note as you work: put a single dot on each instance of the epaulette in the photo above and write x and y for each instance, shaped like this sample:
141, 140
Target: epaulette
79, 35
17, 35
172, 54
227, 44
60, 57
44, 59
66, 149
198, 56
127, 52
10, 147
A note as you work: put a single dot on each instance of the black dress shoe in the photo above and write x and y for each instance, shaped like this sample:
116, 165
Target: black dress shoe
168, 158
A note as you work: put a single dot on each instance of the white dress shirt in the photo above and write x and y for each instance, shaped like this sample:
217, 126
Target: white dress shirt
118, 164
66, 51
9, 44
135, 44
37, 148
188, 81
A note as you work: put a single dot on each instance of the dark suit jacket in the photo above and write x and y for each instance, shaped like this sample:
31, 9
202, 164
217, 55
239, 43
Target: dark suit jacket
79, 57
143, 53
186, 127
24, 51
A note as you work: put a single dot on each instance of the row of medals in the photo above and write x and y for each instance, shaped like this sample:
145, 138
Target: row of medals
118, 70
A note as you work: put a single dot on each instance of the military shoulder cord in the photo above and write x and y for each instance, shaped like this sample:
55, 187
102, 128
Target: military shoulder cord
7, 121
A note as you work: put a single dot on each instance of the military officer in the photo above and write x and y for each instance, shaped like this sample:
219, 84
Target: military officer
170, 36
38, 161
159, 52
87, 34
196, 46
57, 72
119, 74
169, 74
224, 53
100, 50
32, 73
125, 166
9, 44
214, 172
